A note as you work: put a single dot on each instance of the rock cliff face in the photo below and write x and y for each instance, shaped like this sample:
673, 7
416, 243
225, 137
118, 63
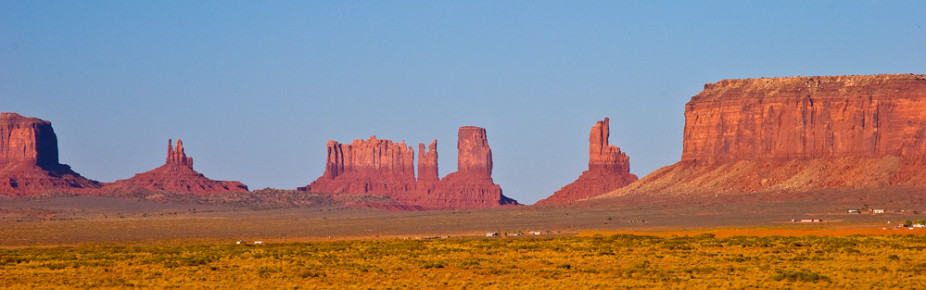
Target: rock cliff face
381, 167
374, 166
471, 186
29, 159
176, 175
608, 169
807, 117
427, 165
800, 133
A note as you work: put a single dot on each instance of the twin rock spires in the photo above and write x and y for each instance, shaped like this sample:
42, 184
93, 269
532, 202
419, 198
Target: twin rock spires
176, 175
177, 156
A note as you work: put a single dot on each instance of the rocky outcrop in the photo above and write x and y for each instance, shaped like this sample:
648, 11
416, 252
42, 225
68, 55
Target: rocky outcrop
428, 174
381, 167
374, 166
176, 175
29, 159
472, 185
807, 117
800, 134
608, 169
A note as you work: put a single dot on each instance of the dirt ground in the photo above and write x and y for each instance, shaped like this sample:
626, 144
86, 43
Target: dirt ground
100, 220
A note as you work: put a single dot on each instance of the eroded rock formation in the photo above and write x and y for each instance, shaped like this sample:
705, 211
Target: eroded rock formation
29, 159
428, 174
472, 185
800, 133
608, 169
374, 166
176, 175
381, 167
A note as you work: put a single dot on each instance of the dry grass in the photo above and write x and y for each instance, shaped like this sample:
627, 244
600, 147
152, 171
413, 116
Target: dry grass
599, 261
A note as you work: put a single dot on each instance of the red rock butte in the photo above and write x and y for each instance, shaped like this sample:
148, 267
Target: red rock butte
608, 169
381, 167
800, 134
29, 159
176, 175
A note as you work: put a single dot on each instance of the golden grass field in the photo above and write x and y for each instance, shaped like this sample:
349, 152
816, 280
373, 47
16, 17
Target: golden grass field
82, 242
593, 261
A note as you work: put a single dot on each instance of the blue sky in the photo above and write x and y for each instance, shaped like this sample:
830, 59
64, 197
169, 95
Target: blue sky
256, 88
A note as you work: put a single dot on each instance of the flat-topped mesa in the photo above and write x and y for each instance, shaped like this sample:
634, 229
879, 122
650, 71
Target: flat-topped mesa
176, 175
799, 134
373, 166
807, 117
608, 169
474, 157
29, 159
27, 140
177, 156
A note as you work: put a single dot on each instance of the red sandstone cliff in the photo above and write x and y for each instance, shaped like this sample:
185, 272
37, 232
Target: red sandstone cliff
380, 167
472, 185
176, 175
374, 166
427, 166
798, 134
29, 159
608, 169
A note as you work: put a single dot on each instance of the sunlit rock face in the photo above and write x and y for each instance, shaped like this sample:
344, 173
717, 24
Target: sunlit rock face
800, 134
29, 159
608, 169
382, 167
176, 175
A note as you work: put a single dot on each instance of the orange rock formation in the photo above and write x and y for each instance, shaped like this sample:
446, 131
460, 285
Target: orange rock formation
29, 159
800, 133
375, 166
381, 167
176, 175
608, 169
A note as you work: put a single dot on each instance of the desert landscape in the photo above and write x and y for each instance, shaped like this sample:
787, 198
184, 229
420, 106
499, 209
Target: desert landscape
846, 185
462, 145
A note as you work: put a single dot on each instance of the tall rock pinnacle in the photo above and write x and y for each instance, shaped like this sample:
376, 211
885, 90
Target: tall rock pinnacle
176, 175
608, 169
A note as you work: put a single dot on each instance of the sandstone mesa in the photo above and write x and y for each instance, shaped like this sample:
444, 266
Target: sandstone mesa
29, 159
799, 134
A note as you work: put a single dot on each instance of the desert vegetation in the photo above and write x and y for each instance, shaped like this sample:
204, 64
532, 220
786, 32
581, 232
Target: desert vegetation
891, 261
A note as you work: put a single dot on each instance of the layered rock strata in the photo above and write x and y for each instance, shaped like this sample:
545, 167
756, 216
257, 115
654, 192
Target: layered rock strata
799, 134
471, 186
176, 175
608, 169
29, 159
374, 166
381, 167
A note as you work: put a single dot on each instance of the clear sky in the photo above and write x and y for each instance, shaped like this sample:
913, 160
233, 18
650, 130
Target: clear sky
256, 88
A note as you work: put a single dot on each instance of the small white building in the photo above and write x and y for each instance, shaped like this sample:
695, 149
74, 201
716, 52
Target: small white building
535, 233
258, 242
854, 211
877, 211
240, 242
491, 234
